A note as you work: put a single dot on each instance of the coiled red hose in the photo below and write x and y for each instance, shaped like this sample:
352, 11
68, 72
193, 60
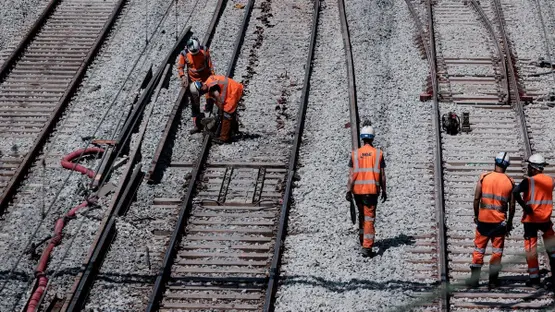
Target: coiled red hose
67, 162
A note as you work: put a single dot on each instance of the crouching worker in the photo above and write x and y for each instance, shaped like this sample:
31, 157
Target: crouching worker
226, 93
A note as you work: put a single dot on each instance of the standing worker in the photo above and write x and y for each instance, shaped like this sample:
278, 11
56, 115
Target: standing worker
366, 179
537, 206
199, 67
226, 93
492, 195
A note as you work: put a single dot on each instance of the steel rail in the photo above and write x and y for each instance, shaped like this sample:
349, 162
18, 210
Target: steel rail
548, 49
508, 68
18, 52
430, 48
21, 172
186, 205
154, 172
438, 165
353, 106
511, 76
126, 191
274, 269
134, 118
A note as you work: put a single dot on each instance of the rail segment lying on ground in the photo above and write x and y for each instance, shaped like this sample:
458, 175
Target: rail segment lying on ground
473, 71
39, 78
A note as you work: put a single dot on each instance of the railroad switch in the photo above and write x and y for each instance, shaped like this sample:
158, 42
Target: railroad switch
424, 97
527, 99
544, 63
466, 122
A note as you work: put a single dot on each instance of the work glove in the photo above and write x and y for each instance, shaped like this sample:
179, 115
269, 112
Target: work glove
349, 196
384, 197
509, 229
476, 220
184, 82
528, 209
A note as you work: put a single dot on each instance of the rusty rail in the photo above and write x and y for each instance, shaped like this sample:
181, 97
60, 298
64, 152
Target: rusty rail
62, 102
163, 276
154, 172
282, 227
430, 48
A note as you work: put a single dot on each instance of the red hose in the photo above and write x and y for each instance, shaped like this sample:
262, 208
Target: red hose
35, 298
59, 226
66, 161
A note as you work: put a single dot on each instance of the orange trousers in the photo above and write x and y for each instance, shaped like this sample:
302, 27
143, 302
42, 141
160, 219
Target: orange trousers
531, 244
366, 205
480, 244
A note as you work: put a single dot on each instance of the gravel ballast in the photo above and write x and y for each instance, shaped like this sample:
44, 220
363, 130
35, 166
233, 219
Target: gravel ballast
101, 84
17, 16
322, 266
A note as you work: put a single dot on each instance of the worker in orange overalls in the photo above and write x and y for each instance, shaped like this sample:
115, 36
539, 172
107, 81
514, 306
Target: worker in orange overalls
199, 67
492, 196
226, 93
538, 206
366, 179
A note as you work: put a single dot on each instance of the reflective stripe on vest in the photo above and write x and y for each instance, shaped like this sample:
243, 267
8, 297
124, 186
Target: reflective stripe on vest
539, 197
376, 167
205, 63
533, 195
492, 196
367, 172
496, 192
223, 87
492, 207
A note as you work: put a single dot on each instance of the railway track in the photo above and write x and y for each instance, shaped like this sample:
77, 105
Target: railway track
38, 80
232, 220
474, 76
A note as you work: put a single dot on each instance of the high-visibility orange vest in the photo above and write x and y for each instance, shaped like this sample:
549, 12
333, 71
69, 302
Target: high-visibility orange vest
199, 66
230, 91
539, 197
366, 167
496, 192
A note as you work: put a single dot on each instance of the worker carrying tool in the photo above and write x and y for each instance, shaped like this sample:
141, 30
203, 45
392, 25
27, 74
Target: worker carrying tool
538, 206
196, 59
226, 93
492, 195
366, 179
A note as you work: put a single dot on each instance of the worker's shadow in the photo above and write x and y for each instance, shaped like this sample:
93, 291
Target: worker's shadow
399, 240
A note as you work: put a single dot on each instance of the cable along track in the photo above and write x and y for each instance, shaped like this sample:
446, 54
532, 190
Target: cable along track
38, 80
232, 220
474, 75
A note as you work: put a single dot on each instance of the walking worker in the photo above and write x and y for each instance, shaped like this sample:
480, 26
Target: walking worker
196, 60
492, 195
226, 93
537, 206
366, 179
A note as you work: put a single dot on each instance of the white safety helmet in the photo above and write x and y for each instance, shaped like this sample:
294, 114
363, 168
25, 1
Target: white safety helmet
537, 161
502, 160
193, 46
367, 132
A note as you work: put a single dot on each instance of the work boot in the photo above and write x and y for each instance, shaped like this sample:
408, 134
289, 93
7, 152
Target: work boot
494, 276
197, 124
493, 280
225, 133
474, 280
534, 282
367, 252
552, 278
